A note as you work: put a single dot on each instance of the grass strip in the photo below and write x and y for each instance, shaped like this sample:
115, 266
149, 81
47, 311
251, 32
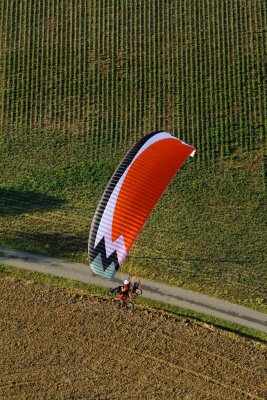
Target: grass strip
212, 322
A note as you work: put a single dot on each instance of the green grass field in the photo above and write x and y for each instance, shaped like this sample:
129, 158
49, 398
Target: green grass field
81, 81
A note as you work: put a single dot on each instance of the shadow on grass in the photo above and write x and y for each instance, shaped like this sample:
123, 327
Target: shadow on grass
16, 202
51, 244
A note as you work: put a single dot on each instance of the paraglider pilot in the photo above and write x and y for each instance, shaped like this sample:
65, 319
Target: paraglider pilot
127, 290
124, 291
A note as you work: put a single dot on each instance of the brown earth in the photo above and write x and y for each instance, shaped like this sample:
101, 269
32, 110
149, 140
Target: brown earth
66, 344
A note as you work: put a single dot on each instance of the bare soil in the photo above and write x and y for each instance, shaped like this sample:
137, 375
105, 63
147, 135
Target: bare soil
66, 344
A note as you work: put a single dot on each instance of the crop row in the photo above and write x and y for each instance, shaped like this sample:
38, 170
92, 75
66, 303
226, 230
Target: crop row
111, 71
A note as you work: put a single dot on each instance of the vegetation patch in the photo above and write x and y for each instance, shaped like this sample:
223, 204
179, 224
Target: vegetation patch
76, 93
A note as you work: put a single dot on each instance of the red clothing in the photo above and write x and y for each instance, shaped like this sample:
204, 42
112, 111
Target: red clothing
122, 296
123, 293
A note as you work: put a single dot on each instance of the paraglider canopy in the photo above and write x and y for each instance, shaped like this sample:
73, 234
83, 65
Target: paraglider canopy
131, 194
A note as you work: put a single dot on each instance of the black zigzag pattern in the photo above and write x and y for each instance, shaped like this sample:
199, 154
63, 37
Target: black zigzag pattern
106, 261
109, 189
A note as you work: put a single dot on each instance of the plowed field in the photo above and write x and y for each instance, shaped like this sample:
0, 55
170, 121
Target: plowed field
65, 344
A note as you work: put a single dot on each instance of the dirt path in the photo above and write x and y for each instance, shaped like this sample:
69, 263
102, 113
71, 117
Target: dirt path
167, 294
65, 344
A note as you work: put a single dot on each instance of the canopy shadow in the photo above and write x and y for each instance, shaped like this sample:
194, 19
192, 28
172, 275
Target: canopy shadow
51, 244
16, 202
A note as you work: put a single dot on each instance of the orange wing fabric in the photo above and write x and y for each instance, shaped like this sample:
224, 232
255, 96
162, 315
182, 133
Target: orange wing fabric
131, 195
144, 184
